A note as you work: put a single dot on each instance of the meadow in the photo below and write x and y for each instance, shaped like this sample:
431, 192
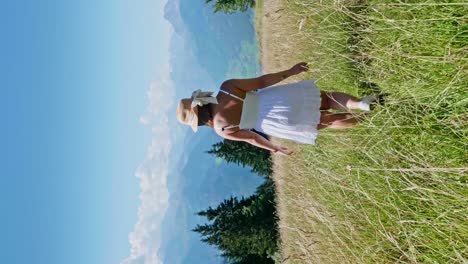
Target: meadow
393, 189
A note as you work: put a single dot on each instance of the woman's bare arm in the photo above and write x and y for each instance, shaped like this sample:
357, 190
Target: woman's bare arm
264, 80
256, 140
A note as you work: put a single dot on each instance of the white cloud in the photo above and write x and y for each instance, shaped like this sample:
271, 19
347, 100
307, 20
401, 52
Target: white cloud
144, 120
160, 97
145, 239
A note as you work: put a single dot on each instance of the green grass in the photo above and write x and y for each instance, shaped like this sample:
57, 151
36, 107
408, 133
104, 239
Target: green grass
394, 189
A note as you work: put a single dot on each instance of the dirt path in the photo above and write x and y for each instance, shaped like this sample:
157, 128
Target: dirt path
301, 241
275, 29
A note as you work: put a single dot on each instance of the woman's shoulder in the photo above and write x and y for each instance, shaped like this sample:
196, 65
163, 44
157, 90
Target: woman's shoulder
230, 87
229, 93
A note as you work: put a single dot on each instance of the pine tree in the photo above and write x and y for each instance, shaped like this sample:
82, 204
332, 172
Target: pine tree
231, 6
255, 259
244, 154
244, 230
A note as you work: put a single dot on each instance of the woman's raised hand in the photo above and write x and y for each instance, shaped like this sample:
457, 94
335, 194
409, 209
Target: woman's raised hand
298, 68
283, 151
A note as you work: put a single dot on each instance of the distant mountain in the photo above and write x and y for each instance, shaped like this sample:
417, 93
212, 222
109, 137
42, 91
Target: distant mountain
187, 72
172, 14
201, 183
204, 51
215, 39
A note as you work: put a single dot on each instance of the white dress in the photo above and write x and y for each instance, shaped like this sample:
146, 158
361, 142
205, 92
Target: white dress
290, 111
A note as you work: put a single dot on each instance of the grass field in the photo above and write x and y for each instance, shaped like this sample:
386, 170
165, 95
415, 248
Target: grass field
394, 189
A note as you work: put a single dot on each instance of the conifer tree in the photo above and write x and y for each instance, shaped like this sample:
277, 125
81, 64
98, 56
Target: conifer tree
244, 230
231, 6
244, 154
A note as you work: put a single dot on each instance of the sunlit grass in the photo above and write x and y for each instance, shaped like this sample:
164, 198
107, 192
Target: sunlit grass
394, 189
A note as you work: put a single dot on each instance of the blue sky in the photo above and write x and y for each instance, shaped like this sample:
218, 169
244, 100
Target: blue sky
74, 80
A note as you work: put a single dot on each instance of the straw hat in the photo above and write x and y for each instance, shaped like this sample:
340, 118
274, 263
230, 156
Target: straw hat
187, 110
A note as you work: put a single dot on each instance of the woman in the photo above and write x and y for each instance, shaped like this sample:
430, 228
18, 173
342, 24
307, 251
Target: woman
290, 111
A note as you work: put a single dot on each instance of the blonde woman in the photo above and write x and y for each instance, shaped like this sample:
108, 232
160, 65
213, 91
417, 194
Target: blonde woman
294, 111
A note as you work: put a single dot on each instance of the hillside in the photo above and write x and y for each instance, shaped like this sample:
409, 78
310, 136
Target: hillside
394, 189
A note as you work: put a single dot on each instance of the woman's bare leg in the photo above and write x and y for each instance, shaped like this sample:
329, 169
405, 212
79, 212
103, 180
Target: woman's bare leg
338, 120
343, 101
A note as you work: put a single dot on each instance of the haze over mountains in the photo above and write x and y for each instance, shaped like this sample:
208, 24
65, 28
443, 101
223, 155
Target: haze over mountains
178, 176
215, 39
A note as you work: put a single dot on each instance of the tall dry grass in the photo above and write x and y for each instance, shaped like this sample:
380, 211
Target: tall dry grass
394, 189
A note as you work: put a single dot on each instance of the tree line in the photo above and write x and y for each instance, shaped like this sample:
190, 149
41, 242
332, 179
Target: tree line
231, 6
244, 230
